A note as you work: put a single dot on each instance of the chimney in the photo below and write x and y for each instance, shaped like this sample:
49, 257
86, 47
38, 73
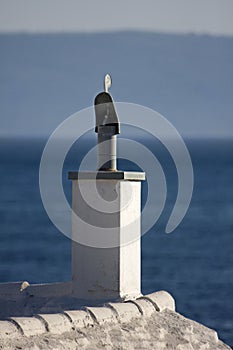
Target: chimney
106, 208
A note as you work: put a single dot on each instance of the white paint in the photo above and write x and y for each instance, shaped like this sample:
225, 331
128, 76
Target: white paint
80, 318
107, 273
56, 323
102, 315
125, 311
30, 325
8, 330
162, 300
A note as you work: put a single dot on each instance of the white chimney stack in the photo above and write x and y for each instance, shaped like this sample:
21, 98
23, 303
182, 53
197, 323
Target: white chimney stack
106, 219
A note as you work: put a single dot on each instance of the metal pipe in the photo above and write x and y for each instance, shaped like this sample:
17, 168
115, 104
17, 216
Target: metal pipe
107, 148
107, 127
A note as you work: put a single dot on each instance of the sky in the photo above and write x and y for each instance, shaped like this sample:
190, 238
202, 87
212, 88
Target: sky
176, 16
38, 73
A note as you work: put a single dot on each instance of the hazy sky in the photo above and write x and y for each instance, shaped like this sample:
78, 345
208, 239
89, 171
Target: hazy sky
180, 16
47, 77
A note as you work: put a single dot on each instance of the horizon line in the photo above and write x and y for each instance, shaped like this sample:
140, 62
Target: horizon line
185, 136
114, 31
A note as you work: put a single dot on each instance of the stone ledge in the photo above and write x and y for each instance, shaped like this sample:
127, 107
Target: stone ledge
145, 323
69, 320
162, 330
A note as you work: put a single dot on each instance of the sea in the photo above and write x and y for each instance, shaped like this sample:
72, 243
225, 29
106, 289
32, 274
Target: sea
194, 263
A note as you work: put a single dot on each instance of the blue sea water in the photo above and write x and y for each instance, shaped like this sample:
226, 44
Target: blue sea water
194, 263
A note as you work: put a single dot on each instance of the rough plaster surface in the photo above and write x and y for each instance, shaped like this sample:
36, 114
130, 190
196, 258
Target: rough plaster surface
131, 325
162, 330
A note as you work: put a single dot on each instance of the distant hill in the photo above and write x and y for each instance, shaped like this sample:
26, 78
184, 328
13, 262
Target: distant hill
46, 78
